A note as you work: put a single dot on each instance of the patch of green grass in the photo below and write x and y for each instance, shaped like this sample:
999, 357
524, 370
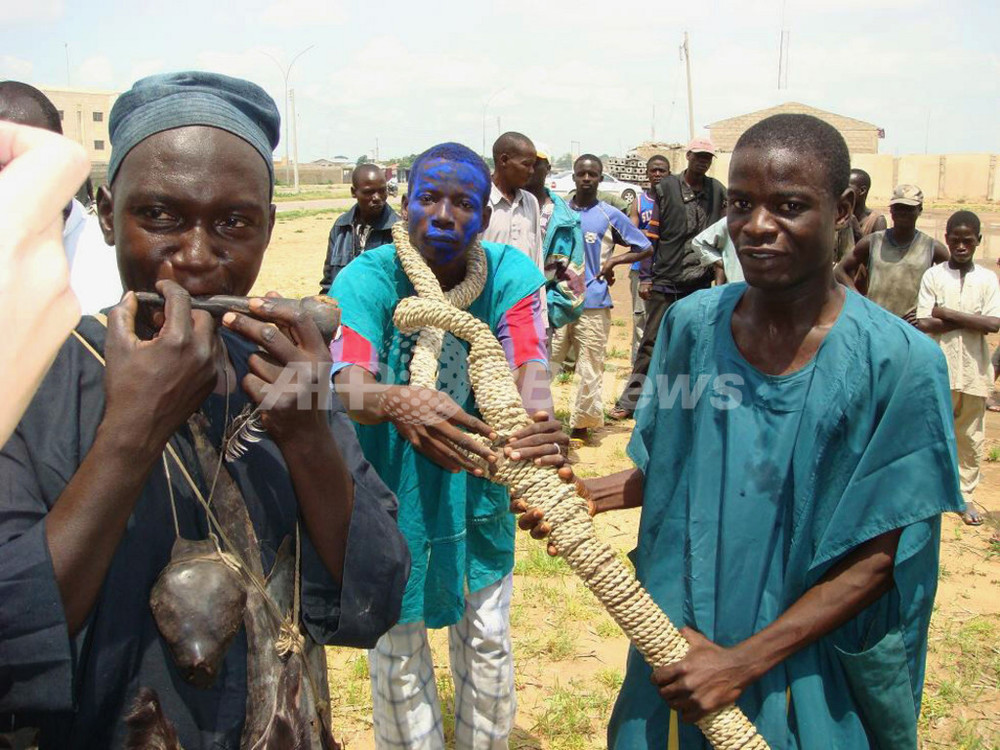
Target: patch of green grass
618, 322
303, 213
305, 195
563, 416
516, 615
623, 556
359, 667
578, 605
616, 353
611, 679
967, 674
994, 454
559, 645
541, 593
568, 719
446, 696
537, 562
284, 193
966, 736
564, 377
354, 692
608, 628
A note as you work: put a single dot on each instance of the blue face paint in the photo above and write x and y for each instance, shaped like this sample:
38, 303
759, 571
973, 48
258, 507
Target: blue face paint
445, 208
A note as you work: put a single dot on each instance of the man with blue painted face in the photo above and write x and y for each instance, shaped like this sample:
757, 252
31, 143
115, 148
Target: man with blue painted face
457, 524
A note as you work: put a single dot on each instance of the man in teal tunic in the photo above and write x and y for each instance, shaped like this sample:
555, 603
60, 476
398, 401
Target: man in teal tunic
794, 452
457, 524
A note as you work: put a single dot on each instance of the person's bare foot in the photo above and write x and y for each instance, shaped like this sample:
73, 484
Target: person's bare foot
619, 414
971, 516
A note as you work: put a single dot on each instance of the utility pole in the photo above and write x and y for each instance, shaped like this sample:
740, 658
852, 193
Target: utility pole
66, 47
686, 54
295, 139
486, 106
286, 73
376, 149
927, 130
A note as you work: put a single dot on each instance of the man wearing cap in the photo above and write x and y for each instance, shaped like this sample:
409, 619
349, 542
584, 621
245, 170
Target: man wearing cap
107, 468
895, 258
688, 203
367, 224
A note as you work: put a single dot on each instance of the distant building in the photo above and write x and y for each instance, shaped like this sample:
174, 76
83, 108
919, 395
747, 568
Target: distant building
337, 161
862, 137
84, 115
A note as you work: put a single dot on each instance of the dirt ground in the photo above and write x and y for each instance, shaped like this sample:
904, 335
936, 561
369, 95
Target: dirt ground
570, 656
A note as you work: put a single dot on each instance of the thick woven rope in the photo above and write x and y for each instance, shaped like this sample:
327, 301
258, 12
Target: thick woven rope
498, 400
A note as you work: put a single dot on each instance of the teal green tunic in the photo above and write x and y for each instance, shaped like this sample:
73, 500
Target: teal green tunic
755, 485
459, 528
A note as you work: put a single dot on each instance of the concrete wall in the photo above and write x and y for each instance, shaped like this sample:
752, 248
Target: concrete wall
969, 178
310, 174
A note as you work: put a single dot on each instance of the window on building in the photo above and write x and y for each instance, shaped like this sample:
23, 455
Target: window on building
98, 117
62, 115
98, 145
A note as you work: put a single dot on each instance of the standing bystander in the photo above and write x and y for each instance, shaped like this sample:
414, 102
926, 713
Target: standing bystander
604, 227
869, 220
641, 213
895, 258
562, 250
367, 224
516, 216
687, 203
959, 304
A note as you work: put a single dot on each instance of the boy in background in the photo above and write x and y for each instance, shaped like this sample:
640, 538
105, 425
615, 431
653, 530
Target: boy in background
603, 227
959, 304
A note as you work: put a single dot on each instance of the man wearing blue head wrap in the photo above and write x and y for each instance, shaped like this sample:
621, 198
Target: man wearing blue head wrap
88, 510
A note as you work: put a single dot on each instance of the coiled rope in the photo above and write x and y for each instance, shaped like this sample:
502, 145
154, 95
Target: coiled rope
432, 312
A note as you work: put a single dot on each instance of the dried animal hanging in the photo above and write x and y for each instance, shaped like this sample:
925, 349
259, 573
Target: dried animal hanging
288, 702
198, 602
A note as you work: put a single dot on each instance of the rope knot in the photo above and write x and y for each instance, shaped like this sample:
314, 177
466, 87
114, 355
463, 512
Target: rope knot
290, 639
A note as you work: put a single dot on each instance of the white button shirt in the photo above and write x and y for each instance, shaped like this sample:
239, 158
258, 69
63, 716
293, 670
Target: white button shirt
93, 265
518, 224
968, 355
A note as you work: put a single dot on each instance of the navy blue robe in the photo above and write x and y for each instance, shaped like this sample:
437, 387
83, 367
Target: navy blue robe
76, 690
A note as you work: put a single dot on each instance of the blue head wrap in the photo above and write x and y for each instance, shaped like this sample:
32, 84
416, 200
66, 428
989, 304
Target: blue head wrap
176, 100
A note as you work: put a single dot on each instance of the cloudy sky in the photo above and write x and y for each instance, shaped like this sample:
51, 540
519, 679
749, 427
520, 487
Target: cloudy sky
411, 75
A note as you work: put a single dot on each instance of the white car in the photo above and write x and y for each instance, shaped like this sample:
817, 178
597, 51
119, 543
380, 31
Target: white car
562, 184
